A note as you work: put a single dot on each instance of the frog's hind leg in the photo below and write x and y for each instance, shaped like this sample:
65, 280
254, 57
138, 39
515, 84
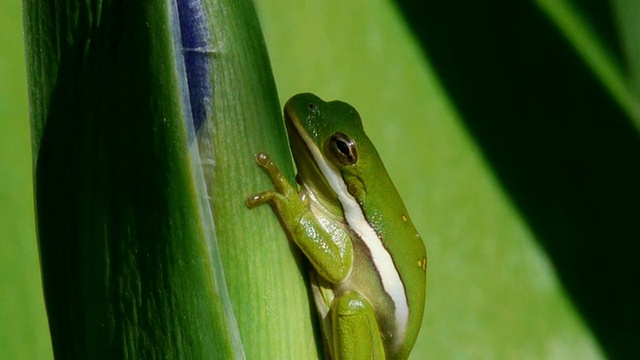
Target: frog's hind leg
356, 334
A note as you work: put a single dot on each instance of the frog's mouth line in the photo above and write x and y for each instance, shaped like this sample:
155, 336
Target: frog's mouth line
309, 173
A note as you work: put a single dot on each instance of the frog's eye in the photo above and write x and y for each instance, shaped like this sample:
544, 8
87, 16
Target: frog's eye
343, 149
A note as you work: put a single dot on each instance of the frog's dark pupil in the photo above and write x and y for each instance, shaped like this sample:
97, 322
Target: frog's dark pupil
312, 106
342, 147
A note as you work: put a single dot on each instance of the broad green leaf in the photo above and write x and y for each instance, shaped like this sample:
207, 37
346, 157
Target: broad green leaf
147, 249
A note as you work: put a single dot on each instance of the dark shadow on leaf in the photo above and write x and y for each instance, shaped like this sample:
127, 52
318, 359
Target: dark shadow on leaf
112, 194
560, 145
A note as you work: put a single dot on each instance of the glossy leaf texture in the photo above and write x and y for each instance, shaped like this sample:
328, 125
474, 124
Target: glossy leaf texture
145, 118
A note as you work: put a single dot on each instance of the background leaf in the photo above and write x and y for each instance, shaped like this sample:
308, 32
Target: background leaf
24, 333
507, 146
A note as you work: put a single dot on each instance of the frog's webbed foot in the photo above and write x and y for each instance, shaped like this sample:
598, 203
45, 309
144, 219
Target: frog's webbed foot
283, 192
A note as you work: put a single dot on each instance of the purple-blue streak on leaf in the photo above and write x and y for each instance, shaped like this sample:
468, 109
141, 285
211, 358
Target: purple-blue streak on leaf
197, 50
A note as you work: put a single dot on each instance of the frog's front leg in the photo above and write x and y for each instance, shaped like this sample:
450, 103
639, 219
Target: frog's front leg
331, 254
356, 334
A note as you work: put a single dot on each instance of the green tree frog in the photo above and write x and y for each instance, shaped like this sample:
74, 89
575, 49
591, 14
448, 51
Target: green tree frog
369, 264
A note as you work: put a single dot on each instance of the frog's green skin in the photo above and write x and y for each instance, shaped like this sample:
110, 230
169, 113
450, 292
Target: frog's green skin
348, 219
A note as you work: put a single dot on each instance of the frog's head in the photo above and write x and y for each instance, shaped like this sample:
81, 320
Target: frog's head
330, 148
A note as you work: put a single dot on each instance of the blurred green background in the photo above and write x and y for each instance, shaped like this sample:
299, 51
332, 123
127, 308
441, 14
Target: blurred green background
508, 128
23, 326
